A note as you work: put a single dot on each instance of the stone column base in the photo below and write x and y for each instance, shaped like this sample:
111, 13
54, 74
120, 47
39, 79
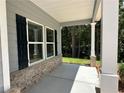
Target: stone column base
14, 90
93, 61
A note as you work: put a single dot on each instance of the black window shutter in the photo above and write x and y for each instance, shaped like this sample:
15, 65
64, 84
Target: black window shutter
22, 42
56, 49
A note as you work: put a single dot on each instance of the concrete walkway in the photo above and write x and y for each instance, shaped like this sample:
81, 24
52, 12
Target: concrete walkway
67, 78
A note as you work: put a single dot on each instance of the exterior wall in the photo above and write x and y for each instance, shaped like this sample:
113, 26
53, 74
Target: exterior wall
29, 10
25, 78
1, 74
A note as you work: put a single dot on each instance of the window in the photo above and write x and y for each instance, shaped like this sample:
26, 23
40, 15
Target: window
38, 42
35, 41
50, 37
35, 32
50, 50
50, 42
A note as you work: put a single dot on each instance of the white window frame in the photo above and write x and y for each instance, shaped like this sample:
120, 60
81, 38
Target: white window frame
42, 43
50, 42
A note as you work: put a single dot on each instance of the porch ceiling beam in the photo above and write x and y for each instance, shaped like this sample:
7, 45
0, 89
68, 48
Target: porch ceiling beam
95, 11
78, 22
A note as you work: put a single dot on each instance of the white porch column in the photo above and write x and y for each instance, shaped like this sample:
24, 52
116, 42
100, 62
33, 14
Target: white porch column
93, 56
4, 46
35, 45
59, 37
109, 78
93, 39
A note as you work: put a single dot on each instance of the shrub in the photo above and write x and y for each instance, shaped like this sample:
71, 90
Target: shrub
121, 72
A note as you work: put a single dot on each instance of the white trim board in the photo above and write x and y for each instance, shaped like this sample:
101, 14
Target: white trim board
4, 45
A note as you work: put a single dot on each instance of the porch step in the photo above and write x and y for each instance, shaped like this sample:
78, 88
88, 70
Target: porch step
86, 80
79, 87
88, 75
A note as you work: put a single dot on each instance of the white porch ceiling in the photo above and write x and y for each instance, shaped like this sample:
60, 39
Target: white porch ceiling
67, 10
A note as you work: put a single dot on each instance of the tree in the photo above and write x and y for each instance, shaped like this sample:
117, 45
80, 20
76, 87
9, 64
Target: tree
66, 42
121, 32
73, 40
78, 41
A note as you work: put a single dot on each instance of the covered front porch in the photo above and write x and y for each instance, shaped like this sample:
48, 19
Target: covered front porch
68, 78
56, 14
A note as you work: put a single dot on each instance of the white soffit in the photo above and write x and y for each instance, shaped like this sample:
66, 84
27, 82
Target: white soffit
67, 10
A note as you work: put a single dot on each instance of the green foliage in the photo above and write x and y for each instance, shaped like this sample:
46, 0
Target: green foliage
66, 42
77, 61
121, 72
121, 32
79, 39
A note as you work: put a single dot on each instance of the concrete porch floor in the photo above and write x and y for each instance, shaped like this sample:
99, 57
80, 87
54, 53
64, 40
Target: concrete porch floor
68, 78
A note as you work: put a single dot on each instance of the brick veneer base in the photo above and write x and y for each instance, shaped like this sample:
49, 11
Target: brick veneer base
14, 90
25, 78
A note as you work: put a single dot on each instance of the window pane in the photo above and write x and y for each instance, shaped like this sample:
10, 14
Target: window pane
49, 33
35, 32
50, 50
35, 51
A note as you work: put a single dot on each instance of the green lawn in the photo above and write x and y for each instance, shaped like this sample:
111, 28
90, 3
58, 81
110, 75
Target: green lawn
77, 61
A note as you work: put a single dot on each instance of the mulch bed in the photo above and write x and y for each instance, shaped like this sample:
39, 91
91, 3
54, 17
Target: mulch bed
121, 87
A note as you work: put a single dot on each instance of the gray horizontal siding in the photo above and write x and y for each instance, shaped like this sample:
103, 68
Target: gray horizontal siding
31, 11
